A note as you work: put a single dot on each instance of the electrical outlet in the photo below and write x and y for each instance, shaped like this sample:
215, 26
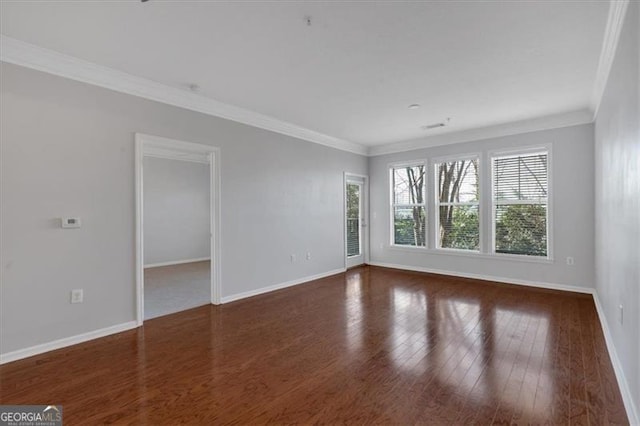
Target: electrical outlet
620, 314
308, 255
293, 258
570, 261
77, 296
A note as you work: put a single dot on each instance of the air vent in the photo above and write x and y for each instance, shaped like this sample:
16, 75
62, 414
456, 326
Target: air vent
436, 125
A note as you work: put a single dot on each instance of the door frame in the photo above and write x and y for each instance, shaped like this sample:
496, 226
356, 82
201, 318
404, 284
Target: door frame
364, 180
172, 149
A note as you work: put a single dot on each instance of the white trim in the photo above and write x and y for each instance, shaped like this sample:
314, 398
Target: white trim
139, 157
175, 149
176, 262
556, 121
31, 56
627, 398
538, 284
169, 154
615, 22
28, 55
251, 293
64, 342
472, 253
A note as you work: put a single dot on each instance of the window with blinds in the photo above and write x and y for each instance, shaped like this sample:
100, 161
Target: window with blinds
520, 203
408, 205
457, 204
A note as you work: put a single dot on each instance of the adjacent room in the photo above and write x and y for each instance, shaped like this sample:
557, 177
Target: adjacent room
177, 235
294, 212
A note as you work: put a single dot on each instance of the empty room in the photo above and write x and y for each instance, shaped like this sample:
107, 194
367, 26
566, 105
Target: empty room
309, 212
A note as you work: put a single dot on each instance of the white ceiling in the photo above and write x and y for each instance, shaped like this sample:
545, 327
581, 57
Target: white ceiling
352, 73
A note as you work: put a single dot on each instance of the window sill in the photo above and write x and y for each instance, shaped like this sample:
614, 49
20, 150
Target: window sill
472, 254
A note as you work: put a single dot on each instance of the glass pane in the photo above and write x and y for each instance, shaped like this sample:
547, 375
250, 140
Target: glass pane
353, 220
409, 226
520, 178
521, 229
459, 227
458, 181
408, 185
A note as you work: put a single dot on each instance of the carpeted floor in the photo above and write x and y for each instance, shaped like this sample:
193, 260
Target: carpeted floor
170, 289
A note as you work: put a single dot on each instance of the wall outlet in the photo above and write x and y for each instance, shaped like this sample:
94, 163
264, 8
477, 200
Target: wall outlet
293, 258
77, 296
308, 255
570, 261
620, 314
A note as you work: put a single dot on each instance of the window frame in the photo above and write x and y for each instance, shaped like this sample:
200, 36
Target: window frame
393, 205
435, 162
511, 153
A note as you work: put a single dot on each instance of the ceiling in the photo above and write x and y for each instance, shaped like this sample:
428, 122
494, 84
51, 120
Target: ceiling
352, 73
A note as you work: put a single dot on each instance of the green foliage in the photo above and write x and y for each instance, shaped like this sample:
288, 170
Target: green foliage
353, 220
409, 225
353, 201
463, 231
521, 229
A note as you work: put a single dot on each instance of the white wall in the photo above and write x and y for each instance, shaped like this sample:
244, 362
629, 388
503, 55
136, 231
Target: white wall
176, 210
617, 205
68, 149
572, 204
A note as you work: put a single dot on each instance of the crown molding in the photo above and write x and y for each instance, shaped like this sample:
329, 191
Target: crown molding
615, 21
17, 52
556, 121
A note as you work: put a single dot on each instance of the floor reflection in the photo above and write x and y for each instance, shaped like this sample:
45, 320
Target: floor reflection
471, 347
409, 340
354, 312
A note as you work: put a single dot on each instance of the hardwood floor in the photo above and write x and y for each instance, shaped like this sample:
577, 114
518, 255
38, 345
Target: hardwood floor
373, 345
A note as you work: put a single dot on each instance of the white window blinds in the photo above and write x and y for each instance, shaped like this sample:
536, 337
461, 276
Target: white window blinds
520, 200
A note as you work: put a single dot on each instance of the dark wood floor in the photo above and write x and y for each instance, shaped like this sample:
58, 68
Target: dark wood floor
373, 345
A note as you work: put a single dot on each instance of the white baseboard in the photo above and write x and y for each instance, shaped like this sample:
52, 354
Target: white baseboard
238, 296
629, 405
538, 284
176, 262
67, 341
81, 338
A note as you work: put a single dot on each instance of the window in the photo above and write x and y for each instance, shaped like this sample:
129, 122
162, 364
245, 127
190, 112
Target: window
458, 205
520, 204
408, 205
354, 208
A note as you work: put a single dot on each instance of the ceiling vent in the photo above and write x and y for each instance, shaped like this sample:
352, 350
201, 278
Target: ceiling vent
436, 125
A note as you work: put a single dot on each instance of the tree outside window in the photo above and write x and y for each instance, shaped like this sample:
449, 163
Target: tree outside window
458, 205
408, 204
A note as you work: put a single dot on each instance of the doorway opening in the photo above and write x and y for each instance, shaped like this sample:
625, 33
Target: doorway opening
356, 237
177, 226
